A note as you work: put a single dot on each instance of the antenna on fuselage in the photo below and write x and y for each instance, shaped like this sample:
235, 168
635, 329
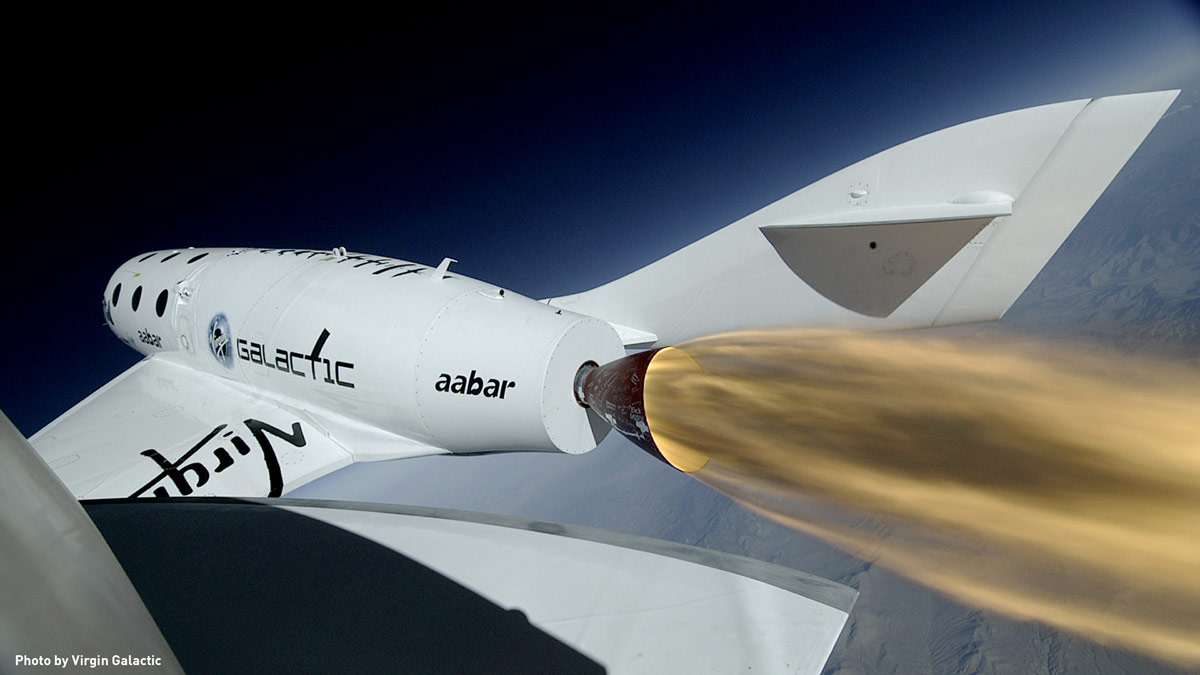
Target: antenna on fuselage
440, 272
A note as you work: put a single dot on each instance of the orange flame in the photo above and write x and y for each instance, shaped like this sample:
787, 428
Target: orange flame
1058, 487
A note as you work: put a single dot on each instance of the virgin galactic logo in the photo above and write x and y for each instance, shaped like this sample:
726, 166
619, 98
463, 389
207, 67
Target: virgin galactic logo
219, 342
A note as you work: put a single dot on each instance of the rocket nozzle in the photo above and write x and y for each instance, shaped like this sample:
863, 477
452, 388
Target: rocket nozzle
616, 391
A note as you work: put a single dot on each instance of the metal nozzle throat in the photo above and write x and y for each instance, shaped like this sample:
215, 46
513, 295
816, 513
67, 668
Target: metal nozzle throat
615, 392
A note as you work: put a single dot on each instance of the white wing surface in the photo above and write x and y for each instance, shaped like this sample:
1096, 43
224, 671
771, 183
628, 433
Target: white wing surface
634, 604
164, 429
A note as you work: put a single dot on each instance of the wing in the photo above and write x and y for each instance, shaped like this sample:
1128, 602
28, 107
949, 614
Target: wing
435, 590
164, 429
375, 588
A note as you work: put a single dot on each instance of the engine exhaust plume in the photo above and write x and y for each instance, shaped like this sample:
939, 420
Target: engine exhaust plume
1046, 483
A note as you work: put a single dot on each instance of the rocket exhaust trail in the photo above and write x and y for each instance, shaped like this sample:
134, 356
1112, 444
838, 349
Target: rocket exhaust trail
1061, 488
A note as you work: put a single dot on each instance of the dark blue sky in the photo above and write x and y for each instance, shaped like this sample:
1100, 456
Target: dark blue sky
547, 153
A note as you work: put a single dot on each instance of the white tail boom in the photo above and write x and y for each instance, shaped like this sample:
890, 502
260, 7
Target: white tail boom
948, 228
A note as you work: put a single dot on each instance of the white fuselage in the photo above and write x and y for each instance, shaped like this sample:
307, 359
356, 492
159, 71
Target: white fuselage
404, 348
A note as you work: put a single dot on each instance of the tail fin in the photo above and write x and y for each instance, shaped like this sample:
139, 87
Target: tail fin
944, 229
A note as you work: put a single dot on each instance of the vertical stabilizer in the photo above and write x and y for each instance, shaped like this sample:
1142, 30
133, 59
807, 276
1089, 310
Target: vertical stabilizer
948, 228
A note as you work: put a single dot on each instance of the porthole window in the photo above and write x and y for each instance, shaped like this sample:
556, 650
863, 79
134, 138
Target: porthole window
147, 257
137, 298
161, 305
169, 257
116, 294
197, 258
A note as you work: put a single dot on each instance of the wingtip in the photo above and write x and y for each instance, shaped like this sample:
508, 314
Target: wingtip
1167, 96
